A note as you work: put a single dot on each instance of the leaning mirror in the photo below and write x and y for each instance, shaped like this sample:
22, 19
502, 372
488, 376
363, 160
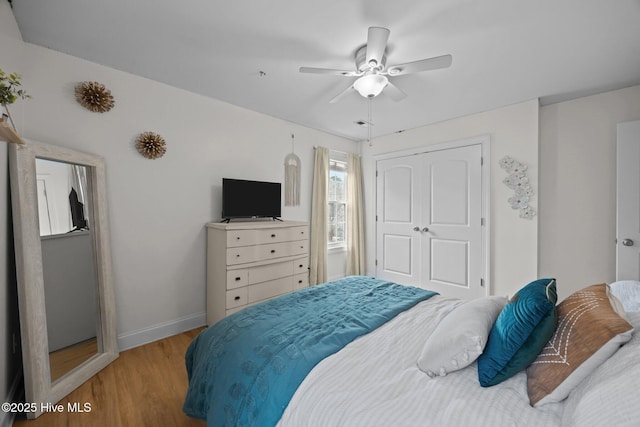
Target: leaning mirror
63, 265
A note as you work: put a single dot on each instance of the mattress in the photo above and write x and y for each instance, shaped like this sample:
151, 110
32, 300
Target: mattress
374, 381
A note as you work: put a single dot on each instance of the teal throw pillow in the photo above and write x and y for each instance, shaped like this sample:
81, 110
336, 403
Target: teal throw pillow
520, 332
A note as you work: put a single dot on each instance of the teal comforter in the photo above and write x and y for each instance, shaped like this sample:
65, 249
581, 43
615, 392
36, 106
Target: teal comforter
244, 369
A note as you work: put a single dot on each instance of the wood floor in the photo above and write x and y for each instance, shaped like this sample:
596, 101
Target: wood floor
145, 386
62, 361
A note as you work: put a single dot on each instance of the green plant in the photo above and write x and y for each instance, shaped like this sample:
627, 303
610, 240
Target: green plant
10, 89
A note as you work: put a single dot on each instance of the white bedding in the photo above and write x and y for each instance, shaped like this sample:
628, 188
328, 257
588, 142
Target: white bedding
375, 381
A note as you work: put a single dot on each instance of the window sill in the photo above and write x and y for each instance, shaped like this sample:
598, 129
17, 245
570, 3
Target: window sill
337, 249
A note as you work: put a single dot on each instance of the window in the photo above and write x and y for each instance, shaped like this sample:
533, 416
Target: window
337, 220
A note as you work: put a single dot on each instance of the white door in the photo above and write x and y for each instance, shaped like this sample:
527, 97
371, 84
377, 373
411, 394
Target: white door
429, 213
451, 222
398, 220
628, 202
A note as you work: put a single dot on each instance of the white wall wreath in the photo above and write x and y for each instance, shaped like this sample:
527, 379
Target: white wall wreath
518, 181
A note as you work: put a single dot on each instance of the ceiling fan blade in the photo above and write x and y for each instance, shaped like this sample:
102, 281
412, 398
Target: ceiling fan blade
329, 71
377, 38
434, 63
394, 92
341, 95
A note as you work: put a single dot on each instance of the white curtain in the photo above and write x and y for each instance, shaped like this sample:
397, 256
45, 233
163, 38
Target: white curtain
355, 217
318, 242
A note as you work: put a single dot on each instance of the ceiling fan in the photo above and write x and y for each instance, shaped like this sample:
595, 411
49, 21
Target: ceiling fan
372, 72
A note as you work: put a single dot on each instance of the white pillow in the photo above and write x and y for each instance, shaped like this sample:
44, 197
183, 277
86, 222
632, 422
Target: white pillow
460, 337
628, 292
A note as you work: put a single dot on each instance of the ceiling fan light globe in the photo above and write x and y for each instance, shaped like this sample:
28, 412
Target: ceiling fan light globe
371, 85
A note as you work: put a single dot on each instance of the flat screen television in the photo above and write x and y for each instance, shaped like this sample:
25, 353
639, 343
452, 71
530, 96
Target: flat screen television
250, 199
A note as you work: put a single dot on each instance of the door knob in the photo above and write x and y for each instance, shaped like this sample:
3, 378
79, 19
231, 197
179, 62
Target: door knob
627, 242
416, 228
425, 229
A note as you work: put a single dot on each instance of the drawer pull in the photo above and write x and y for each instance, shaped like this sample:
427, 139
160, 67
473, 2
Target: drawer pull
238, 256
273, 235
300, 266
238, 238
238, 279
237, 298
273, 251
299, 281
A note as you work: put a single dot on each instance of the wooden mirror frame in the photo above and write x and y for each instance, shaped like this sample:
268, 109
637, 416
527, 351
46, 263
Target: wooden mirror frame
39, 389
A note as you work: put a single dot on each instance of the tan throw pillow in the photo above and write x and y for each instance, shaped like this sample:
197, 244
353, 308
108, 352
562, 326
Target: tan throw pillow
589, 331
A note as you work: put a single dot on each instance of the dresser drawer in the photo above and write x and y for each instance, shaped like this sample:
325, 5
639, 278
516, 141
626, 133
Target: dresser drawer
300, 247
262, 236
270, 272
300, 281
301, 265
237, 278
246, 254
299, 233
270, 289
236, 297
237, 238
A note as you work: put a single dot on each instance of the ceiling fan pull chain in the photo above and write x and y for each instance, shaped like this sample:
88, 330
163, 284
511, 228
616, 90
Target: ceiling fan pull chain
370, 100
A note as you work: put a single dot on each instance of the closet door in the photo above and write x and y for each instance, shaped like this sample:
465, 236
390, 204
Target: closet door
398, 220
451, 222
429, 221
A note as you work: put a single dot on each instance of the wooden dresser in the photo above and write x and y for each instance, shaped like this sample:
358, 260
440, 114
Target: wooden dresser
249, 262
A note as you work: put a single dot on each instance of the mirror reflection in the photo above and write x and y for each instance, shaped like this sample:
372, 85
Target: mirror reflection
68, 262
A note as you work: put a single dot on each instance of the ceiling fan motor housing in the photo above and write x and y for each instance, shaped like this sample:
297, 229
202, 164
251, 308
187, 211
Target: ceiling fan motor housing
361, 60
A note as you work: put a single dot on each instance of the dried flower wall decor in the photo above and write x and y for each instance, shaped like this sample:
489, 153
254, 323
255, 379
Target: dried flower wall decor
518, 181
151, 145
94, 97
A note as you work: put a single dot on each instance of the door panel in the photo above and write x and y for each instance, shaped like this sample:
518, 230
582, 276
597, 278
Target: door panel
449, 263
397, 186
398, 254
398, 200
628, 202
449, 192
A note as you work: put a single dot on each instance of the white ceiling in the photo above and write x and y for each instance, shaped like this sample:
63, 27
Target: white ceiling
504, 51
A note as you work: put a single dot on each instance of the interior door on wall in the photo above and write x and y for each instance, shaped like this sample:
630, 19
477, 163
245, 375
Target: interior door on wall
429, 231
628, 202
398, 220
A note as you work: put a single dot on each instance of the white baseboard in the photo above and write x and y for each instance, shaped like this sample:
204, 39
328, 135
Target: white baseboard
7, 418
160, 331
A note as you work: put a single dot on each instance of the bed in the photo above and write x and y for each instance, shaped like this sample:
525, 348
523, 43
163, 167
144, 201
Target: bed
413, 357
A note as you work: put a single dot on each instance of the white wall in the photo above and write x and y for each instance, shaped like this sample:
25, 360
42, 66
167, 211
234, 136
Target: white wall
158, 208
578, 187
513, 131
